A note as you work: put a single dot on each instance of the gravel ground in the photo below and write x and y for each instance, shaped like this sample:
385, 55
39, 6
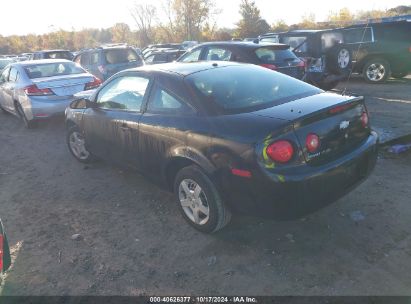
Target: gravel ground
97, 230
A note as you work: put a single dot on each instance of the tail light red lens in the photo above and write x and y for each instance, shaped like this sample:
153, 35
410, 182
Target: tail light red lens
312, 142
301, 64
269, 66
1, 252
33, 90
93, 84
280, 151
364, 119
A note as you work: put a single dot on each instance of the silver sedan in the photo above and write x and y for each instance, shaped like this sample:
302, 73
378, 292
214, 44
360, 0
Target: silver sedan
37, 90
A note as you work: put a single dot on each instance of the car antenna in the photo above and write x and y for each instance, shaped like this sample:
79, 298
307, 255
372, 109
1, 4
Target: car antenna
356, 56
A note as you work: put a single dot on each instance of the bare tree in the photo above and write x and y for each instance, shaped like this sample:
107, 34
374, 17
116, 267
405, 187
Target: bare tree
144, 15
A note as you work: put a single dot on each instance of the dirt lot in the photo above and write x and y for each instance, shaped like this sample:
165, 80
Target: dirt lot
134, 241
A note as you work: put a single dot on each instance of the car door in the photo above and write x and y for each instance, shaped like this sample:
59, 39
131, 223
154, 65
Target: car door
163, 127
8, 88
111, 128
3, 87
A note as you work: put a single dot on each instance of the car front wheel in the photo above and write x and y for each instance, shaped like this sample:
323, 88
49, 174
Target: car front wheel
199, 200
77, 145
376, 70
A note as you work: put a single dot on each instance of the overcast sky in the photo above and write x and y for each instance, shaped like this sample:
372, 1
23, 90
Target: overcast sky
27, 16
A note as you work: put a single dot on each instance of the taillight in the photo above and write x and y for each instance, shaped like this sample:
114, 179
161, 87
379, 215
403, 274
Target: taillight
301, 64
33, 90
409, 49
93, 84
269, 66
364, 119
280, 151
338, 109
312, 142
1, 252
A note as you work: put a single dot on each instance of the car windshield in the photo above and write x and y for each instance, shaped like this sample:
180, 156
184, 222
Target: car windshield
52, 69
272, 55
121, 56
245, 88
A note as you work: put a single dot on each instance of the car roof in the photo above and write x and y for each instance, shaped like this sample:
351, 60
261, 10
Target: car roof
185, 68
245, 44
41, 61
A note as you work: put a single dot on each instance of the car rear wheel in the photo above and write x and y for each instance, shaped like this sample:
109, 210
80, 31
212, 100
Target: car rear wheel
376, 70
29, 124
199, 200
77, 145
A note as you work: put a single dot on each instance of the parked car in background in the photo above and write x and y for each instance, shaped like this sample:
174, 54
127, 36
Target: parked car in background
328, 59
5, 62
381, 48
276, 57
188, 44
5, 258
105, 61
165, 56
52, 54
227, 137
152, 47
37, 90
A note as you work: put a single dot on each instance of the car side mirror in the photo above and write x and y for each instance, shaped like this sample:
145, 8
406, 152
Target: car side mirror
83, 103
5, 258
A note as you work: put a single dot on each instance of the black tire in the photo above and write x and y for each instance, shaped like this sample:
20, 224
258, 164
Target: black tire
339, 60
399, 75
376, 70
29, 124
85, 158
219, 214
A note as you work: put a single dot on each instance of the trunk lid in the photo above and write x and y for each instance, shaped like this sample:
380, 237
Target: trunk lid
335, 119
65, 85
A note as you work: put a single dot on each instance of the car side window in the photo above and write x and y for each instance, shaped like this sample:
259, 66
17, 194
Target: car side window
85, 59
123, 93
5, 75
192, 56
94, 58
14, 74
165, 102
218, 53
78, 59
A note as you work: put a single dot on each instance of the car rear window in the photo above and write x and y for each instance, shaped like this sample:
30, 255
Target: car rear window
272, 55
58, 55
121, 56
52, 69
246, 88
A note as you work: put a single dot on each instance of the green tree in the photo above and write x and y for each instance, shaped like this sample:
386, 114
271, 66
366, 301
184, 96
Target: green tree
251, 24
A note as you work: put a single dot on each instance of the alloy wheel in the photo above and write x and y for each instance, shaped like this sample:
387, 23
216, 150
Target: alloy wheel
375, 72
194, 201
78, 145
343, 58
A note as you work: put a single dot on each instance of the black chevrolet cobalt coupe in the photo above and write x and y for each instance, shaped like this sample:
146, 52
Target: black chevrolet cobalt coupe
227, 137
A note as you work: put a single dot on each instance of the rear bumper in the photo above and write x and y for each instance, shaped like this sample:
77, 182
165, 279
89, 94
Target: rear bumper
38, 109
306, 189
